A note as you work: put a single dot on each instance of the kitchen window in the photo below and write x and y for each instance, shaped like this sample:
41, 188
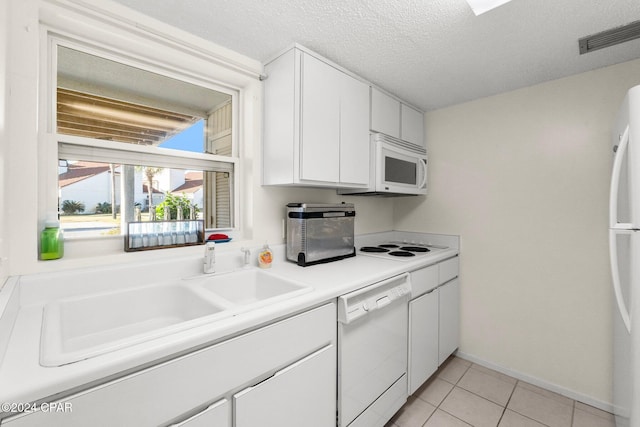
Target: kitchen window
131, 139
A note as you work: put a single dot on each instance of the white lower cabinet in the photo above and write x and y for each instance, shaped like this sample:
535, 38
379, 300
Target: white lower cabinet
434, 319
423, 338
449, 319
302, 394
218, 414
172, 392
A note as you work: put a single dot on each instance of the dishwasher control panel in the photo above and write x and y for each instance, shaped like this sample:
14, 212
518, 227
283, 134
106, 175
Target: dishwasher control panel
359, 303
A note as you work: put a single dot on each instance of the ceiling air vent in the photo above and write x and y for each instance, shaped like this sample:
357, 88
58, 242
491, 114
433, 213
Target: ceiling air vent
610, 37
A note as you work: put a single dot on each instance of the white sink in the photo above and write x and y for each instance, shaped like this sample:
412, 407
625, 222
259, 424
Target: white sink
82, 327
252, 286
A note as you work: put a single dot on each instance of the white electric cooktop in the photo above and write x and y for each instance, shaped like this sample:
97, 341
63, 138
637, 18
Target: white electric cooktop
399, 250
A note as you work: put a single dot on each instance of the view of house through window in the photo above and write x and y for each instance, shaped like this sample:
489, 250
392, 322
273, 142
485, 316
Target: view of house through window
88, 192
139, 140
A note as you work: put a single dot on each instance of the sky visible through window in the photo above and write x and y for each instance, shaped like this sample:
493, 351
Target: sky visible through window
191, 139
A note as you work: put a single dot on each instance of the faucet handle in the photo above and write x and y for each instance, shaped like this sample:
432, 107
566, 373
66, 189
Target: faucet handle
247, 255
209, 257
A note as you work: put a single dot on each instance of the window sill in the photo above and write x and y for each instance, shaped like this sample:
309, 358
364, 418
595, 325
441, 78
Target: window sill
90, 252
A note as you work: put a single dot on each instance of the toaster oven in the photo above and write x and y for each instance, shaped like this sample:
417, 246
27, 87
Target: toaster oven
320, 232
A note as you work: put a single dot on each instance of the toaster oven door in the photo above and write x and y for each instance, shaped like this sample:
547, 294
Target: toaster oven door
324, 240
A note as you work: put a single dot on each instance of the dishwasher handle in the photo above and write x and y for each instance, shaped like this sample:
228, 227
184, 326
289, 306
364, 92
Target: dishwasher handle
362, 302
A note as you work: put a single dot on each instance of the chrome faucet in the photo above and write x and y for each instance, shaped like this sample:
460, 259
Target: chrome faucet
210, 257
247, 256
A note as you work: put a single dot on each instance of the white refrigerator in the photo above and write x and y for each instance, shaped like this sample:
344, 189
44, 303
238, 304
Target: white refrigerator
624, 249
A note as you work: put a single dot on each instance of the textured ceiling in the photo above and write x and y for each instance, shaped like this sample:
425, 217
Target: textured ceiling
432, 53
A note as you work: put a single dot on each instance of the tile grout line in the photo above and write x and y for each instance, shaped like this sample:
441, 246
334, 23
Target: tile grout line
518, 383
526, 416
450, 414
572, 404
504, 410
445, 398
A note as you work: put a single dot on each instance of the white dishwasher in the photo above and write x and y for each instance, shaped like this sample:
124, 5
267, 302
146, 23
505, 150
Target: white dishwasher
372, 352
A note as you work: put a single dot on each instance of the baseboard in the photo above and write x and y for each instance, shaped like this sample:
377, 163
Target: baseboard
580, 397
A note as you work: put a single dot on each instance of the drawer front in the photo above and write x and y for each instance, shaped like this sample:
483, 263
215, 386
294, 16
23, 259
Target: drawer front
218, 414
449, 269
164, 392
303, 394
424, 280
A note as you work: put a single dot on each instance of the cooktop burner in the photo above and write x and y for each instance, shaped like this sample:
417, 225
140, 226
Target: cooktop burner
399, 251
402, 254
374, 249
414, 249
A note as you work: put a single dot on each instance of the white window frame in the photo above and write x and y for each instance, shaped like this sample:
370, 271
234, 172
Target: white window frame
54, 145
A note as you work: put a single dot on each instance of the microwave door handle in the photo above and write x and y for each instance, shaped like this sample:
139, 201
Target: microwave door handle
423, 163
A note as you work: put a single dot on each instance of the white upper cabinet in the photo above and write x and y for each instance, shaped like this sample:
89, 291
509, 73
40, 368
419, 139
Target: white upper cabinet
385, 113
396, 119
411, 125
316, 130
354, 131
320, 126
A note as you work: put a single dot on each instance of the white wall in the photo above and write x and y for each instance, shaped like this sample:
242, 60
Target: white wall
91, 191
523, 178
4, 13
20, 149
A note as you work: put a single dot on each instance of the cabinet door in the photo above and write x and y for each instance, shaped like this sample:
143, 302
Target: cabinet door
412, 125
423, 339
385, 113
279, 138
354, 132
320, 121
449, 319
303, 394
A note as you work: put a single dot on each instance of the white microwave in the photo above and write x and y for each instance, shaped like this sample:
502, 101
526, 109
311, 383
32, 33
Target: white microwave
397, 168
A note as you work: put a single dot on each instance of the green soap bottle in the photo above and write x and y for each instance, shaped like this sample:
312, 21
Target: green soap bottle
51, 239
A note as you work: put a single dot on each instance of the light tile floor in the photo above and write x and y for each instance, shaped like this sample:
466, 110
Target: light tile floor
463, 394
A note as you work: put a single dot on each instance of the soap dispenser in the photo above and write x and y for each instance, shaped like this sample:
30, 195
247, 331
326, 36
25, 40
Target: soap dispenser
51, 239
265, 256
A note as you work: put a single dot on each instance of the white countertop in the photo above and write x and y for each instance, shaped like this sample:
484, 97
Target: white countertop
23, 379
